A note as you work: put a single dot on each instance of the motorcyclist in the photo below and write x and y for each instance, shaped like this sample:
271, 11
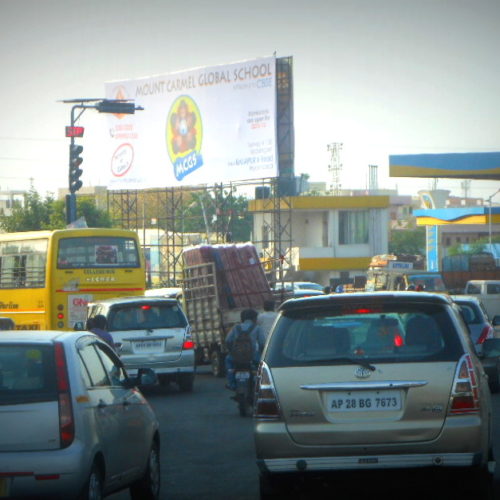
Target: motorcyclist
248, 326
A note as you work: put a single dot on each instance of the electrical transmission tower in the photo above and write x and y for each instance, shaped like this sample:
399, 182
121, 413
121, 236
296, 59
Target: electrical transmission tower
373, 177
465, 185
335, 167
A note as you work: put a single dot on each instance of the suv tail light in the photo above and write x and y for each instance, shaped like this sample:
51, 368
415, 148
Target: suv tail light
487, 333
66, 422
187, 345
465, 393
266, 401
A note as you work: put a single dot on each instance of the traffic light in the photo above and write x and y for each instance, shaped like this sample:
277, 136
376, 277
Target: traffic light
75, 172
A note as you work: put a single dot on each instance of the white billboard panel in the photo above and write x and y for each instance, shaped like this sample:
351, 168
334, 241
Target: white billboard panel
201, 126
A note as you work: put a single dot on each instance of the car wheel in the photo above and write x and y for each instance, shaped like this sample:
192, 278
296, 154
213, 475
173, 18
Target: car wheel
217, 362
274, 486
242, 405
93, 487
185, 382
148, 487
494, 383
485, 488
267, 487
474, 482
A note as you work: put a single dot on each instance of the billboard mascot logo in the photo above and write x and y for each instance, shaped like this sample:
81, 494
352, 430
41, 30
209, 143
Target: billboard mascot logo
184, 136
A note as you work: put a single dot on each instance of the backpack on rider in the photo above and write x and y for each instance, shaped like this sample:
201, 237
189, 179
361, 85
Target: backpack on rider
242, 350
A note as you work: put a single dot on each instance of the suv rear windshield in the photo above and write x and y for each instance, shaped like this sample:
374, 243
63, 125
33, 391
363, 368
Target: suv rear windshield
390, 333
27, 373
143, 316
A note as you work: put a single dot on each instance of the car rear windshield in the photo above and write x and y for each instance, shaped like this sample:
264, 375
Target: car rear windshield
27, 373
389, 333
145, 316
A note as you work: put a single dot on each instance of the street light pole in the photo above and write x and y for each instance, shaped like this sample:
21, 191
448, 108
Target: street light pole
489, 216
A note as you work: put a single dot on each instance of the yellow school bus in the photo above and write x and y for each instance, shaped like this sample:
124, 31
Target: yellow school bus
48, 277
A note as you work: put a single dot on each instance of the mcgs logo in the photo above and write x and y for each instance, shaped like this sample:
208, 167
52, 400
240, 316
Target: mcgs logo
184, 136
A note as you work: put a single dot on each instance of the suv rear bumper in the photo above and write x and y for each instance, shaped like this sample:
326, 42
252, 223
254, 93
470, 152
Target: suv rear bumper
185, 363
277, 452
161, 370
298, 464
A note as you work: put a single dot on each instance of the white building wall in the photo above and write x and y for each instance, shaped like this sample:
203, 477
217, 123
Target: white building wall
316, 234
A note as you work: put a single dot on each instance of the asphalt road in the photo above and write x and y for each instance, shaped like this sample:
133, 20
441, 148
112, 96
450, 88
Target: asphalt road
208, 453
207, 448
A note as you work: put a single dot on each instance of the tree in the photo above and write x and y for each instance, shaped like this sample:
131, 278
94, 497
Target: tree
33, 216
214, 212
478, 246
407, 241
46, 213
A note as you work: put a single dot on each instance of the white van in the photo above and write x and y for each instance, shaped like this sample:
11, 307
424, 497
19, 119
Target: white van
488, 291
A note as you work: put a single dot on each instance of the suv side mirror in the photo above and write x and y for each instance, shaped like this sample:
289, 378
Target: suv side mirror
491, 348
496, 321
79, 326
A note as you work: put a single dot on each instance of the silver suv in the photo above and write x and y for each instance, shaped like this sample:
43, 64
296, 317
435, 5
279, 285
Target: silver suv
151, 332
73, 423
370, 381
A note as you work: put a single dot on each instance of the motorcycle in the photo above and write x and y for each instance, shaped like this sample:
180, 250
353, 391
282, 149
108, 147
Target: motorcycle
244, 393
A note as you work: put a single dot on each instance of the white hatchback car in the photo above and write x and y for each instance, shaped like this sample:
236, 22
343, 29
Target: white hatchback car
74, 425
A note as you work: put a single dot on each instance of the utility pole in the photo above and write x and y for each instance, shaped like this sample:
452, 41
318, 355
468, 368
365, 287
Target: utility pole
117, 106
489, 216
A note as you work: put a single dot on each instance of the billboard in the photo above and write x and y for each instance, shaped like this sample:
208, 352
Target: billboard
201, 126
446, 165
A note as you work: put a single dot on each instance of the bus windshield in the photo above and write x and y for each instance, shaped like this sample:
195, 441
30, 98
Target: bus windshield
97, 251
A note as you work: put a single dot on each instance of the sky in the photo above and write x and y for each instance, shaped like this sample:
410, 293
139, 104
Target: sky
380, 77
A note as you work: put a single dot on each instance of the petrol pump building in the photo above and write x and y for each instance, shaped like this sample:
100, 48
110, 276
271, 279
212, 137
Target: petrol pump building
448, 226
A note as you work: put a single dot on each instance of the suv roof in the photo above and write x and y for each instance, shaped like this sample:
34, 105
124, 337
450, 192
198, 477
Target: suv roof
324, 300
135, 299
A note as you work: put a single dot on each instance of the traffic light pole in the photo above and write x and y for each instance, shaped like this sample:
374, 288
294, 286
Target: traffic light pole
117, 106
71, 214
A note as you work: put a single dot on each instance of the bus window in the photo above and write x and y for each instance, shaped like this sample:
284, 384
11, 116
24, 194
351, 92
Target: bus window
81, 252
22, 265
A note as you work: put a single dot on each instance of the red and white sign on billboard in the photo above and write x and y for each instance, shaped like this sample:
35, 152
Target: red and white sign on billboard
205, 125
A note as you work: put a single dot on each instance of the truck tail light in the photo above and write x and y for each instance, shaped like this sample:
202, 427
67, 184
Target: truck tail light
266, 400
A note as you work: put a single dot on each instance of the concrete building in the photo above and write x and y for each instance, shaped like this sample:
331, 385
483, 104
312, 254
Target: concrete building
9, 199
333, 237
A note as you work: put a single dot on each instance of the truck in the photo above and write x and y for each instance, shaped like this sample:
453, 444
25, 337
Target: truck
218, 282
401, 272
457, 270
